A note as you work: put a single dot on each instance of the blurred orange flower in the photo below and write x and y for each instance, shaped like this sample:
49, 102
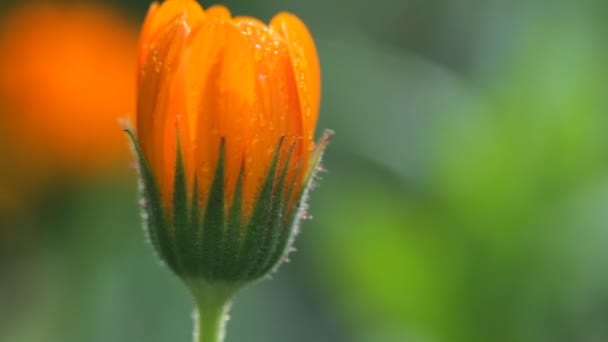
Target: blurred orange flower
66, 77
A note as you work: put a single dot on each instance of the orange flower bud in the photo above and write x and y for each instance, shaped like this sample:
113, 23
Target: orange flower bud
226, 112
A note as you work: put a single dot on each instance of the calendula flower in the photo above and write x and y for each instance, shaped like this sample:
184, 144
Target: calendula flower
227, 108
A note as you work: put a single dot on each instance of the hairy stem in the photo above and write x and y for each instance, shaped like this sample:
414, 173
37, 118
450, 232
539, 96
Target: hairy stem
211, 312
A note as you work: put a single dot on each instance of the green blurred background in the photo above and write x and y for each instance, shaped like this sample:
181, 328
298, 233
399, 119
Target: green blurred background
466, 197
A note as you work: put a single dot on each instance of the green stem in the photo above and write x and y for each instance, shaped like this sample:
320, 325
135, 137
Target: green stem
210, 323
212, 304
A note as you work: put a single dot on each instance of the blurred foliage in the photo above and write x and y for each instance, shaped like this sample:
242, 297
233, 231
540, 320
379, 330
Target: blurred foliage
465, 198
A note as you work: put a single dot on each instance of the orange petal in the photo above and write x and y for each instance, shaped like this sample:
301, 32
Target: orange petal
277, 95
157, 106
191, 11
161, 15
146, 33
306, 69
218, 11
221, 97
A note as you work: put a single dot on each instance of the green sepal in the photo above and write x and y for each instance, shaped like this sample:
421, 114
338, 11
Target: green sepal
181, 221
317, 154
274, 227
292, 216
155, 221
259, 221
218, 245
311, 172
234, 234
196, 230
213, 221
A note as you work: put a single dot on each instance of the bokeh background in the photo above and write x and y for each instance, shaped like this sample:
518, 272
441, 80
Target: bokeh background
466, 197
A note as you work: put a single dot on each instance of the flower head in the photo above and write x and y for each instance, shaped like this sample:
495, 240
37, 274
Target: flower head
227, 108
